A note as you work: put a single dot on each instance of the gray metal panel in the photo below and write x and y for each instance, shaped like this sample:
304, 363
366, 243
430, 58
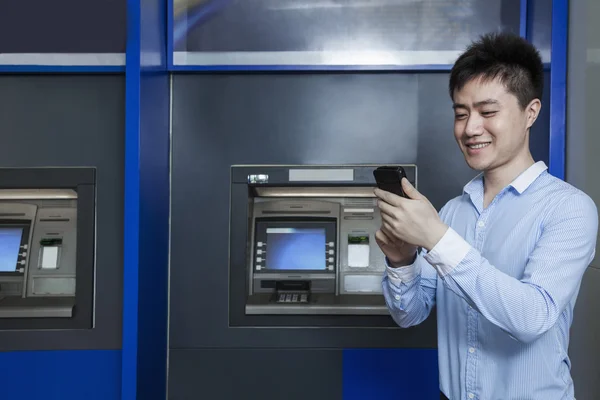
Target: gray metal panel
70, 26
278, 119
585, 347
583, 164
268, 374
73, 121
583, 141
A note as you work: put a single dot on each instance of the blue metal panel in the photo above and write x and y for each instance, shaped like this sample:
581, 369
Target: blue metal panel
390, 374
524, 23
170, 27
61, 375
558, 87
146, 205
153, 236
154, 205
132, 204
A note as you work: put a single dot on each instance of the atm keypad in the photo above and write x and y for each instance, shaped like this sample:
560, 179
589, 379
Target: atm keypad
292, 298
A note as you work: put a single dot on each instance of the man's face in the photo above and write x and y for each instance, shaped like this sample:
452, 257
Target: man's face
490, 127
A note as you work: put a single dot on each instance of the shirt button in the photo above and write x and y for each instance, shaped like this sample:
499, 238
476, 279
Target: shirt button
397, 297
481, 224
471, 350
471, 395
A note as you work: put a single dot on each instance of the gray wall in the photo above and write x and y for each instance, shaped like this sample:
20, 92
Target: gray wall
583, 166
73, 121
222, 119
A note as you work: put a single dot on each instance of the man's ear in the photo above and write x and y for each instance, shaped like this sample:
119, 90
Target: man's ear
533, 111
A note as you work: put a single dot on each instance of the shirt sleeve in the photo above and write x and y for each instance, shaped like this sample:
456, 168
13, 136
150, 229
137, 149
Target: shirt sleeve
527, 307
409, 291
405, 273
448, 252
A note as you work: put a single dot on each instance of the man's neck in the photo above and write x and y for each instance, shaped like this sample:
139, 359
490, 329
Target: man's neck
497, 179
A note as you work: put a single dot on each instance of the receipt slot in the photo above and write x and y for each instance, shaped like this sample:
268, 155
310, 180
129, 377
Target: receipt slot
47, 228
302, 246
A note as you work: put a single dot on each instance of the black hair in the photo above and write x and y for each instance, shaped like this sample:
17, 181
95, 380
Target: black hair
506, 56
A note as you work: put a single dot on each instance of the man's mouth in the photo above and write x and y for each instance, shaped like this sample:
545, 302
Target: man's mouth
476, 146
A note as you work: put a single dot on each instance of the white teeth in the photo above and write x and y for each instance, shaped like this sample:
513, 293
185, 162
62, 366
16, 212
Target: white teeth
478, 146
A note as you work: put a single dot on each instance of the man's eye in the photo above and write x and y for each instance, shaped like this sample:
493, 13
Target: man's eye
488, 113
460, 116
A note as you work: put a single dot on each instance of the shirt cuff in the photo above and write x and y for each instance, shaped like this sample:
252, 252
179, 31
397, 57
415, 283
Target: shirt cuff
402, 274
448, 252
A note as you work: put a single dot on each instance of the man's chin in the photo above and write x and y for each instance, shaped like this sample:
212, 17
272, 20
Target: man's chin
477, 165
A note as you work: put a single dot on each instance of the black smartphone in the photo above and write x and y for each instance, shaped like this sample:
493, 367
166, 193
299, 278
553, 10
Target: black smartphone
389, 178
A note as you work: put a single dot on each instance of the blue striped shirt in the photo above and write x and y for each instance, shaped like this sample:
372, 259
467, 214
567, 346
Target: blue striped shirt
504, 280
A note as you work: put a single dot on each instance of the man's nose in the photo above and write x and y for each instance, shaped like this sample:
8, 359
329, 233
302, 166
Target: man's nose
474, 126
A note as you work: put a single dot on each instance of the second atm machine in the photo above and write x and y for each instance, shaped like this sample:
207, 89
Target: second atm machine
47, 236
302, 246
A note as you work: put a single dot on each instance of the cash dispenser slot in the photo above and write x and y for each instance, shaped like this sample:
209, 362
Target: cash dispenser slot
310, 242
292, 292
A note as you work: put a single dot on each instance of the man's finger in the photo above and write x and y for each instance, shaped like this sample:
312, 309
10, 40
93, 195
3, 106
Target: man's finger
386, 208
387, 239
386, 227
388, 219
410, 190
382, 237
388, 197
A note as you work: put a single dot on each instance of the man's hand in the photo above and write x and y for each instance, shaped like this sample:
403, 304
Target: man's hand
413, 220
399, 253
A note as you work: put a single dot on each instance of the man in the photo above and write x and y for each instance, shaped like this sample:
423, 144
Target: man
502, 262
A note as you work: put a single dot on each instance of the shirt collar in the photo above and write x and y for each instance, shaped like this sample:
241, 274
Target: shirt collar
527, 177
474, 185
520, 183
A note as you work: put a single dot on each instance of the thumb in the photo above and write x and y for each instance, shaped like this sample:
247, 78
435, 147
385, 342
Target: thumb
410, 190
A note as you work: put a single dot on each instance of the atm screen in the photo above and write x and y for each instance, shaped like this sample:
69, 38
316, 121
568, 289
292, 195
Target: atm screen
296, 249
10, 244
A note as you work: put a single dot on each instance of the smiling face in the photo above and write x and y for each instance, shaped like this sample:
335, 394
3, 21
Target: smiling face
490, 127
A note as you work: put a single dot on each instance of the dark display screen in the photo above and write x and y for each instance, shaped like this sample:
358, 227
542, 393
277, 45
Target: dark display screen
10, 244
296, 249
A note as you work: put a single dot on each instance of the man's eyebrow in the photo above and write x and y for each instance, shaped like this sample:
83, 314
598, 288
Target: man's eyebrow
486, 102
478, 104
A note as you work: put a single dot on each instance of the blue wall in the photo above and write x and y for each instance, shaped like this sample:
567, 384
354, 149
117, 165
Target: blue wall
390, 374
61, 375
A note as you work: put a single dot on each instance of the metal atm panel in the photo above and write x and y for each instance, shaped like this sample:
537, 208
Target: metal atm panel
46, 248
310, 255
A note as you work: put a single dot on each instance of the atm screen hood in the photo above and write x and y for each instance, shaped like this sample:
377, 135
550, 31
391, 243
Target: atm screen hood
314, 191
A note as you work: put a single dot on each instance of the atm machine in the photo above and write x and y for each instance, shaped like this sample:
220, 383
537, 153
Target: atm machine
47, 228
302, 246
